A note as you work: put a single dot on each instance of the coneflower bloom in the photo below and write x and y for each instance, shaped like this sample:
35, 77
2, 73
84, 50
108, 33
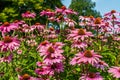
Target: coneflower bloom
79, 34
98, 23
7, 59
31, 43
50, 69
26, 28
43, 45
9, 43
39, 27
70, 23
28, 14
50, 48
91, 76
52, 55
18, 22
47, 13
56, 67
79, 44
115, 71
7, 27
50, 34
27, 77
64, 11
88, 56
19, 51
111, 13
101, 65
86, 21
51, 52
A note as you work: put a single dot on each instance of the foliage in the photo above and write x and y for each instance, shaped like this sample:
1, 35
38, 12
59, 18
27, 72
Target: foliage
12, 9
84, 8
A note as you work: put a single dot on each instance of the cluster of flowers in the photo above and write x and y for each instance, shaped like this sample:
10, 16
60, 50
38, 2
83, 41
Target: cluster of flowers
51, 52
58, 15
52, 58
107, 25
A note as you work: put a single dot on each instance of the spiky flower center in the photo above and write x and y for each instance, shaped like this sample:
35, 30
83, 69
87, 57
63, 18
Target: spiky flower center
7, 39
44, 43
6, 24
88, 54
51, 28
63, 7
48, 10
113, 11
60, 17
101, 63
81, 32
78, 42
51, 49
16, 21
92, 75
26, 77
54, 66
37, 23
91, 17
28, 12
97, 20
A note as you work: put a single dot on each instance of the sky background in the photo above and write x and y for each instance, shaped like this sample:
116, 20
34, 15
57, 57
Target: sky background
103, 6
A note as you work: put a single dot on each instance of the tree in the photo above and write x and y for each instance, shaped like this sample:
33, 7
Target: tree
12, 9
84, 8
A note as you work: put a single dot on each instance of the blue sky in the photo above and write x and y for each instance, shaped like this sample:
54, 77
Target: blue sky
102, 6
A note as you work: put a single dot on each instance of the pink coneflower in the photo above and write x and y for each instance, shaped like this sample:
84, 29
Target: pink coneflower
42, 71
19, 51
52, 18
7, 27
9, 43
28, 14
115, 71
51, 52
50, 48
52, 55
39, 27
79, 34
47, 13
43, 45
39, 64
7, 59
31, 43
88, 56
18, 22
60, 18
55, 68
64, 11
86, 21
70, 23
26, 28
98, 23
27, 77
79, 44
101, 65
50, 34
91, 76
50, 69
111, 13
